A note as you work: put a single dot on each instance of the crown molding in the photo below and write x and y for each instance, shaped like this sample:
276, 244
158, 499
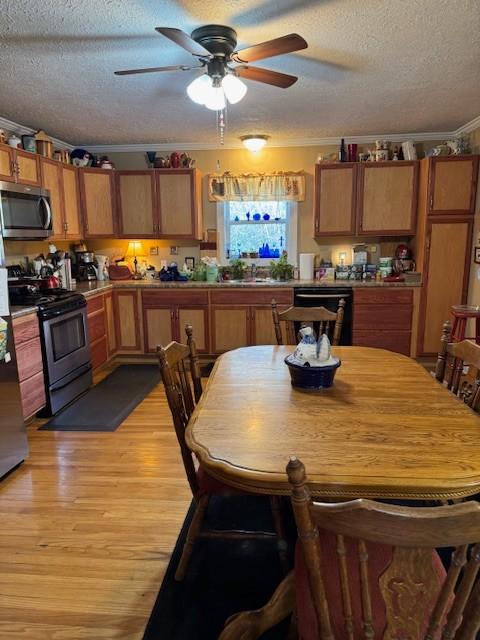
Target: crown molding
468, 127
21, 130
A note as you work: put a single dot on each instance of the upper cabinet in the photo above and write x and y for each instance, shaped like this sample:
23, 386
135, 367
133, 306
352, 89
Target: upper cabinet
61, 180
387, 198
71, 202
137, 204
452, 183
97, 196
375, 199
335, 199
21, 166
179, 202
51, 180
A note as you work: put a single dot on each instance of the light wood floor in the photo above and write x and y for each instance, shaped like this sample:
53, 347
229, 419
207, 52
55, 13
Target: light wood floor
87, 526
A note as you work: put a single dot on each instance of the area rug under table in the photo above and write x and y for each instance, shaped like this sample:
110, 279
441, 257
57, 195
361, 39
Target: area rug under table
106, 405
223, 576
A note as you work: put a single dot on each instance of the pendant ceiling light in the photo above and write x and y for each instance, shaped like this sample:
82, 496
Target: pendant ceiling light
254, 143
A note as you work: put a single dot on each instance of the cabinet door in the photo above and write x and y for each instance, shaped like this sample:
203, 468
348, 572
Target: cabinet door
177, 203
335, 199
159, 327
28, 167
96, 186
452, 185
230, 327
263, 331
127, 323
387, 198
445, 278
198, 318
51, 180
71, 202
6, 163
110, 322
137, 211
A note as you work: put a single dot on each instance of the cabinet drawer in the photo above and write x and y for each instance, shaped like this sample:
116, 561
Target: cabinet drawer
172, 298
98, 352
251, 296
383, 296
29, 358
398, 341
394, 317
96, 326
32, 392
94, 304
25, 328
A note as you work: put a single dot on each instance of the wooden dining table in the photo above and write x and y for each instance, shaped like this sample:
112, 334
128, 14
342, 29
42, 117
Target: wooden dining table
385, 429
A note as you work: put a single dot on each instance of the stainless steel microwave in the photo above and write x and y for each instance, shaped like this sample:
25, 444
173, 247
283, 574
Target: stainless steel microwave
25, 212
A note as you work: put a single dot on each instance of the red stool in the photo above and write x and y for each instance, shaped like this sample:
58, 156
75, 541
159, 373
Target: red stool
461, 313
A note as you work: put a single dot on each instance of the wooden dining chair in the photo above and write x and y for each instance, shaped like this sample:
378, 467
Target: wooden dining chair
319, 318
180, 371
365, 569
458, 367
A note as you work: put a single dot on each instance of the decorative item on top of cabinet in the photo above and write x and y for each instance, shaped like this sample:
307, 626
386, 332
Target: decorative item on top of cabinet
452, 184
180, 203
335, 199
387, 198
128, 331
98, 202
137, 204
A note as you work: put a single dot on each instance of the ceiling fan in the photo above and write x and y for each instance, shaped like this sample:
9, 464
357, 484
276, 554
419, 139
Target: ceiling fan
214, 46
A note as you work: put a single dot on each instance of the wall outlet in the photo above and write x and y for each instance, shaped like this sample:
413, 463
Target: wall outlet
154, 251
372, 248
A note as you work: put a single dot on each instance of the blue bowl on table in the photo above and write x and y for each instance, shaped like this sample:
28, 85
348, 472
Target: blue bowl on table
312, 378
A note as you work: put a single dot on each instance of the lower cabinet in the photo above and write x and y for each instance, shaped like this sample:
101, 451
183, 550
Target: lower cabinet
382, 318
244, 317
166, 313
127, 321
97, 331
28, 350
110, 321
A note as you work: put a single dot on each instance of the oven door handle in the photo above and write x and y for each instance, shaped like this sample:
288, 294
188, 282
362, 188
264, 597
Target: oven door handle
46, 205
323, 295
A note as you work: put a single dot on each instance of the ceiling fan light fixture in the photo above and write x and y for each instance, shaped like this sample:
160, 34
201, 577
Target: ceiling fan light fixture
199, 89
254, 143
215, 97
234, 88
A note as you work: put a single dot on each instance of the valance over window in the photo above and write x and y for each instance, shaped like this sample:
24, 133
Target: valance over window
256, 186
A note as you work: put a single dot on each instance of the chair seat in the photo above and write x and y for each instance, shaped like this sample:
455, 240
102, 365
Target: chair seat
379, 556
211, 486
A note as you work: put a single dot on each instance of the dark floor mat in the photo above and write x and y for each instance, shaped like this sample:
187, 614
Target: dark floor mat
223, 576
106, 405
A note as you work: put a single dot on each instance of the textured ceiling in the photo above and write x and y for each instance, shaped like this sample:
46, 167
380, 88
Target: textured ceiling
372, 66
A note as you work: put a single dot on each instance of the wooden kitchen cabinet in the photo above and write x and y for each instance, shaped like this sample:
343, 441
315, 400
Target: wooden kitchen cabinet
110, 322
230, 327
127, 320
28, 351
445, 276
452, 184
97, 330
387, 198
61, 181
17, 165
382, 318
71, 202
335, 199
137, 209
51, 180
165, 314
98, 202
7, 166
180, 203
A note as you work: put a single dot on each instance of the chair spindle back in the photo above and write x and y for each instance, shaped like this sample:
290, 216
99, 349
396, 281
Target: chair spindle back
319, 318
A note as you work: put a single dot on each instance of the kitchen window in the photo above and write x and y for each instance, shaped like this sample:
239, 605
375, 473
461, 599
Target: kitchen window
257, 231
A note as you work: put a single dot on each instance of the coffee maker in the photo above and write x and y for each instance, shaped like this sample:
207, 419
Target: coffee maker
85, 265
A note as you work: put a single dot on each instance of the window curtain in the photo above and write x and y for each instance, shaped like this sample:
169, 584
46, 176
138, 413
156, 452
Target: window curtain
256, 186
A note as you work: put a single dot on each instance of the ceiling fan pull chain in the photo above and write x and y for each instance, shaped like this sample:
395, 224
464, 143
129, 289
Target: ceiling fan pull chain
221, 125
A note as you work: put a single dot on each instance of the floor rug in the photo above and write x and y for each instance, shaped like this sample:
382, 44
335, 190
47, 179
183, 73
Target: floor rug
223, 576
106, 405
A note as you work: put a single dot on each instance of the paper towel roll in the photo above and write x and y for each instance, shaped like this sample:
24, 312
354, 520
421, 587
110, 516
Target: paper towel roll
306, 266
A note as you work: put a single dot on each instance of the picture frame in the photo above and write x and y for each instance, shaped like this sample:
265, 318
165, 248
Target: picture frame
476, 255
190, 262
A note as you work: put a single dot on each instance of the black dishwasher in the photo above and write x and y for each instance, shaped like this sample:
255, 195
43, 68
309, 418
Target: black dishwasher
328, 297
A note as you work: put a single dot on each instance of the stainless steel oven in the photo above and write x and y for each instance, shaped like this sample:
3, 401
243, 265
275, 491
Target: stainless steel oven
66, 347
25, 211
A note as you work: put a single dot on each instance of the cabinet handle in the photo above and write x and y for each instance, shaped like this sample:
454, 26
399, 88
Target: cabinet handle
172, 314
431, 201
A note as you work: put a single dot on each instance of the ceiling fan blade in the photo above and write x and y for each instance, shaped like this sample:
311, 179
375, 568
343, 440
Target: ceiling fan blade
267, 76
278, 46
175, 67
185, 41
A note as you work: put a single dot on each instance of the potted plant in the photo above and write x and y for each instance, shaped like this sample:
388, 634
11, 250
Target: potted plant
237, 269
281, 269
